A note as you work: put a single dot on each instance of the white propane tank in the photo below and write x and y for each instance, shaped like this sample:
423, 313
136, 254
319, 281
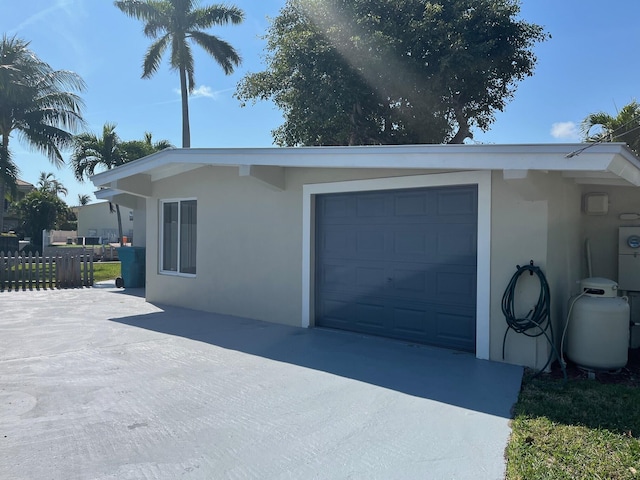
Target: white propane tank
598, 329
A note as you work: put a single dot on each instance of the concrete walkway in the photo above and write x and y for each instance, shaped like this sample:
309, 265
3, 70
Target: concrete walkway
98, 384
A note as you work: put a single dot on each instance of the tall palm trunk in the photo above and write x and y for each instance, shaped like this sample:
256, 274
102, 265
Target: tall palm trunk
115, 207
4, 163
120, 233
186, 133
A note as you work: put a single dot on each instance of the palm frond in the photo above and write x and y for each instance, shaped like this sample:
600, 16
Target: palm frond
153, 58
214, 15
147, 11
223, 53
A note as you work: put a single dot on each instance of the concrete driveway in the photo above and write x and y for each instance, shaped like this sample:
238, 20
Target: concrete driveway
98, 384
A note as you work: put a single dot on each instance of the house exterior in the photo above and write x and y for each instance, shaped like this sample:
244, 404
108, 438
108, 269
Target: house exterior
96, 220
416, 243
22, 189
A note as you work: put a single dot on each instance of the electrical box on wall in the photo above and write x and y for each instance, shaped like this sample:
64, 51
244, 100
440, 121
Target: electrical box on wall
629, 258
595, 203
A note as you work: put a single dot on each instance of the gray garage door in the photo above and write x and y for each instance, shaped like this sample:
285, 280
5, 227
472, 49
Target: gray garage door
400, 263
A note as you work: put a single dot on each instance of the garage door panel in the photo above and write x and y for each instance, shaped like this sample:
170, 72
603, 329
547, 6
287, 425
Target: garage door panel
410, 204
371, 242
370, 315
336, 206
441, 325
438, 244
337, 276
372, 278
411, 243
336, 312
400, 264
456, 202
446, 284
454, 327
371, 206
412, 322
456, 286
336, 241
456, 241
410, 282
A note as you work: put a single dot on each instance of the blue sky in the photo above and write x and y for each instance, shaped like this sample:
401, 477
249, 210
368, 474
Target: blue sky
590, 64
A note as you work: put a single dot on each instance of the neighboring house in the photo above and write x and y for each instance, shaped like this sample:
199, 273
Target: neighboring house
96, 220
22, 189
412, 242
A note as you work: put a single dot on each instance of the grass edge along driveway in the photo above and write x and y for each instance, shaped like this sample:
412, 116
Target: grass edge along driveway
581, 429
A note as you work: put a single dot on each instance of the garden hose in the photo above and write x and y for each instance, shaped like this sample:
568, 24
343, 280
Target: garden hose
537, 322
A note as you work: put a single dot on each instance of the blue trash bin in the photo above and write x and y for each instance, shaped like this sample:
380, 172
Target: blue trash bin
132, 266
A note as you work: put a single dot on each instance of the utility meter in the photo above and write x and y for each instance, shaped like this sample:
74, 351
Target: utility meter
633, 241
629, 258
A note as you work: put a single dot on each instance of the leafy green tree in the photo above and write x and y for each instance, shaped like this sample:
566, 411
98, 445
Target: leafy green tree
174, 24
92, 154
389, 72
41, 210
134, 149
38, 104
623, 127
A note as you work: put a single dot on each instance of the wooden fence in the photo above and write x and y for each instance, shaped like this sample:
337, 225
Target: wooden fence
59, 270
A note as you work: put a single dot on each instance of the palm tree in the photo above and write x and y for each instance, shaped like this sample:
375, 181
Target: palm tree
135, 149
36, 102
92, 153
624, 127
174, 23
47, 182
83, 199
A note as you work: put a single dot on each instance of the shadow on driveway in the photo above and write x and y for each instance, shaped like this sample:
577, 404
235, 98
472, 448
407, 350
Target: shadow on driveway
441, 375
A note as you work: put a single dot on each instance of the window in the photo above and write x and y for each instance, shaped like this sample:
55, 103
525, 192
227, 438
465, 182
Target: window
178, 236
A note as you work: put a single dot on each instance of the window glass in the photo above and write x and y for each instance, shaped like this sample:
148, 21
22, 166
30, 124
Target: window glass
170, 237
188, 236
179, 233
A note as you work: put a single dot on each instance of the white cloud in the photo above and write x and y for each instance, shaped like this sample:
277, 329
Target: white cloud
565, 131
205, 92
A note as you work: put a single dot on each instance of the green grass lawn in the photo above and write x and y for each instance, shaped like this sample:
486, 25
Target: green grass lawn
101, 270
581, 429
105, 271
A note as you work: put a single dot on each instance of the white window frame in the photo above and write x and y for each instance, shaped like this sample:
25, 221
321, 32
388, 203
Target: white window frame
177, 273
480, 178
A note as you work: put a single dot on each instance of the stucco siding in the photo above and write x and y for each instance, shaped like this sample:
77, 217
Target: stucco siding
534, 218
518, 234
602, 230
98, 218
139, 224
251, 234
564, 248
250, 241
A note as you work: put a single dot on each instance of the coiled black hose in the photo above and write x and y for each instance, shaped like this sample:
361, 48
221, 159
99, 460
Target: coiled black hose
537, 322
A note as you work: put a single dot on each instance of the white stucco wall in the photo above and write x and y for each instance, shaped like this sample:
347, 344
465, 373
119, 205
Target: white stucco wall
250, 245
602, 230
534, 218
97, 216
243, 226
139, 224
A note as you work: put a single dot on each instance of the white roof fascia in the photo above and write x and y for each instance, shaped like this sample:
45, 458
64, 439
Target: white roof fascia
614, 157
106, 193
